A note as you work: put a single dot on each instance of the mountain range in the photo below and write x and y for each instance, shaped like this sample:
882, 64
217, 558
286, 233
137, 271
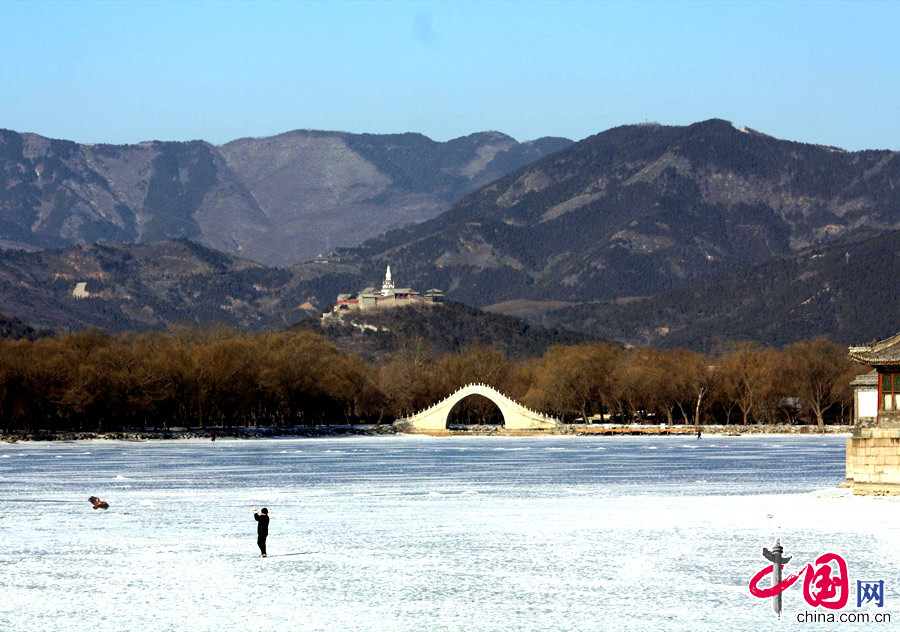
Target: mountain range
277, 200
671, 235
642, 209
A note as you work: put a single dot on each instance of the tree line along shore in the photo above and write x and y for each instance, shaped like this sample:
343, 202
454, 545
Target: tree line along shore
97, 382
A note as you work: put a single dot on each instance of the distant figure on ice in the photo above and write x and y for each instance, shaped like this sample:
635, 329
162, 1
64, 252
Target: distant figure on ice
699, 433
98, 504
262, 529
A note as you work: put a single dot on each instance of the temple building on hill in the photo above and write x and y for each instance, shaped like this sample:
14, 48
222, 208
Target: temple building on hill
387, 296
873, 452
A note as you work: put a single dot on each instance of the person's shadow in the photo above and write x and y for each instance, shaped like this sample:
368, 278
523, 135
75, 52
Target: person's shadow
290, 554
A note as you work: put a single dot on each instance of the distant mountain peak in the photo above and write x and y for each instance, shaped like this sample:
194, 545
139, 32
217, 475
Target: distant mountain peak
279, 199
490, 135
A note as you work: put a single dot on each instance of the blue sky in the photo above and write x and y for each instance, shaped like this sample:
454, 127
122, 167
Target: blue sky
125, 72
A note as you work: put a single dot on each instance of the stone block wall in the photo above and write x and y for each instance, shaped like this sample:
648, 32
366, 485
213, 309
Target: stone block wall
873, 461
889, 419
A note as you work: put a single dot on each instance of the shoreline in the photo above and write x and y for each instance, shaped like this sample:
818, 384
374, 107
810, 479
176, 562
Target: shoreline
196, 433
388, 429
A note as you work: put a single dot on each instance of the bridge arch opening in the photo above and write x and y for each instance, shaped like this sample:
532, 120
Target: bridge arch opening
474, 410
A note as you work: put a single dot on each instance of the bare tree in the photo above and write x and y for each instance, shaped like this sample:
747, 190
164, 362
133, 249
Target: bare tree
693, 379
816, 372
747, 371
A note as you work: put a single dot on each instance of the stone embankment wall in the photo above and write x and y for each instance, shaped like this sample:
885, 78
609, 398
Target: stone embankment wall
873, 461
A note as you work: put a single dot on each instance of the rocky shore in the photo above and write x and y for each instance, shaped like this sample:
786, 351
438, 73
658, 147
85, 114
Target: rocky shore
779, 429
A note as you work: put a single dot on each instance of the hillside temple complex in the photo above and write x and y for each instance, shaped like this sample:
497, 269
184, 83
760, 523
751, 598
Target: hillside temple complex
388, 297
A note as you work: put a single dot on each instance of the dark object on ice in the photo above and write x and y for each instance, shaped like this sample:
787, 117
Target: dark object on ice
698, 433
98, 504
262, 529
214, 436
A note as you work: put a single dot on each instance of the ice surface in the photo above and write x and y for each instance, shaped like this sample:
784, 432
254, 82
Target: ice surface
422, 533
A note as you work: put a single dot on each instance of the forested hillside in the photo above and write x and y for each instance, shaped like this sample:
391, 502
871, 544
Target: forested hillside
447, 328
839, 293
123, 287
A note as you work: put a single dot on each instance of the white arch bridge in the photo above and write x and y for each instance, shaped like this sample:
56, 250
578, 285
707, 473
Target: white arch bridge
515, 416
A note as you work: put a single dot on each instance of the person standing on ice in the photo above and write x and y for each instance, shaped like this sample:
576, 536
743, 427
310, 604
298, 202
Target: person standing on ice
262, 529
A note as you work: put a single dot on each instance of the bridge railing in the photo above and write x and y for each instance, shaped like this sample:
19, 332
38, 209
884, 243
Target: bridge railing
506, 400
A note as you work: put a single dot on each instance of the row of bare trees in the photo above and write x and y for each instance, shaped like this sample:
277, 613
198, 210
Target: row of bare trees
218, 378
744, 383
94, 380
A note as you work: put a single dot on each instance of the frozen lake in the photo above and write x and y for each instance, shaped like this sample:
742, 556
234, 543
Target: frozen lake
420, 533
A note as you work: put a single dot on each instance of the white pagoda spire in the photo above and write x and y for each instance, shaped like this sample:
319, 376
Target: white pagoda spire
387, 287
